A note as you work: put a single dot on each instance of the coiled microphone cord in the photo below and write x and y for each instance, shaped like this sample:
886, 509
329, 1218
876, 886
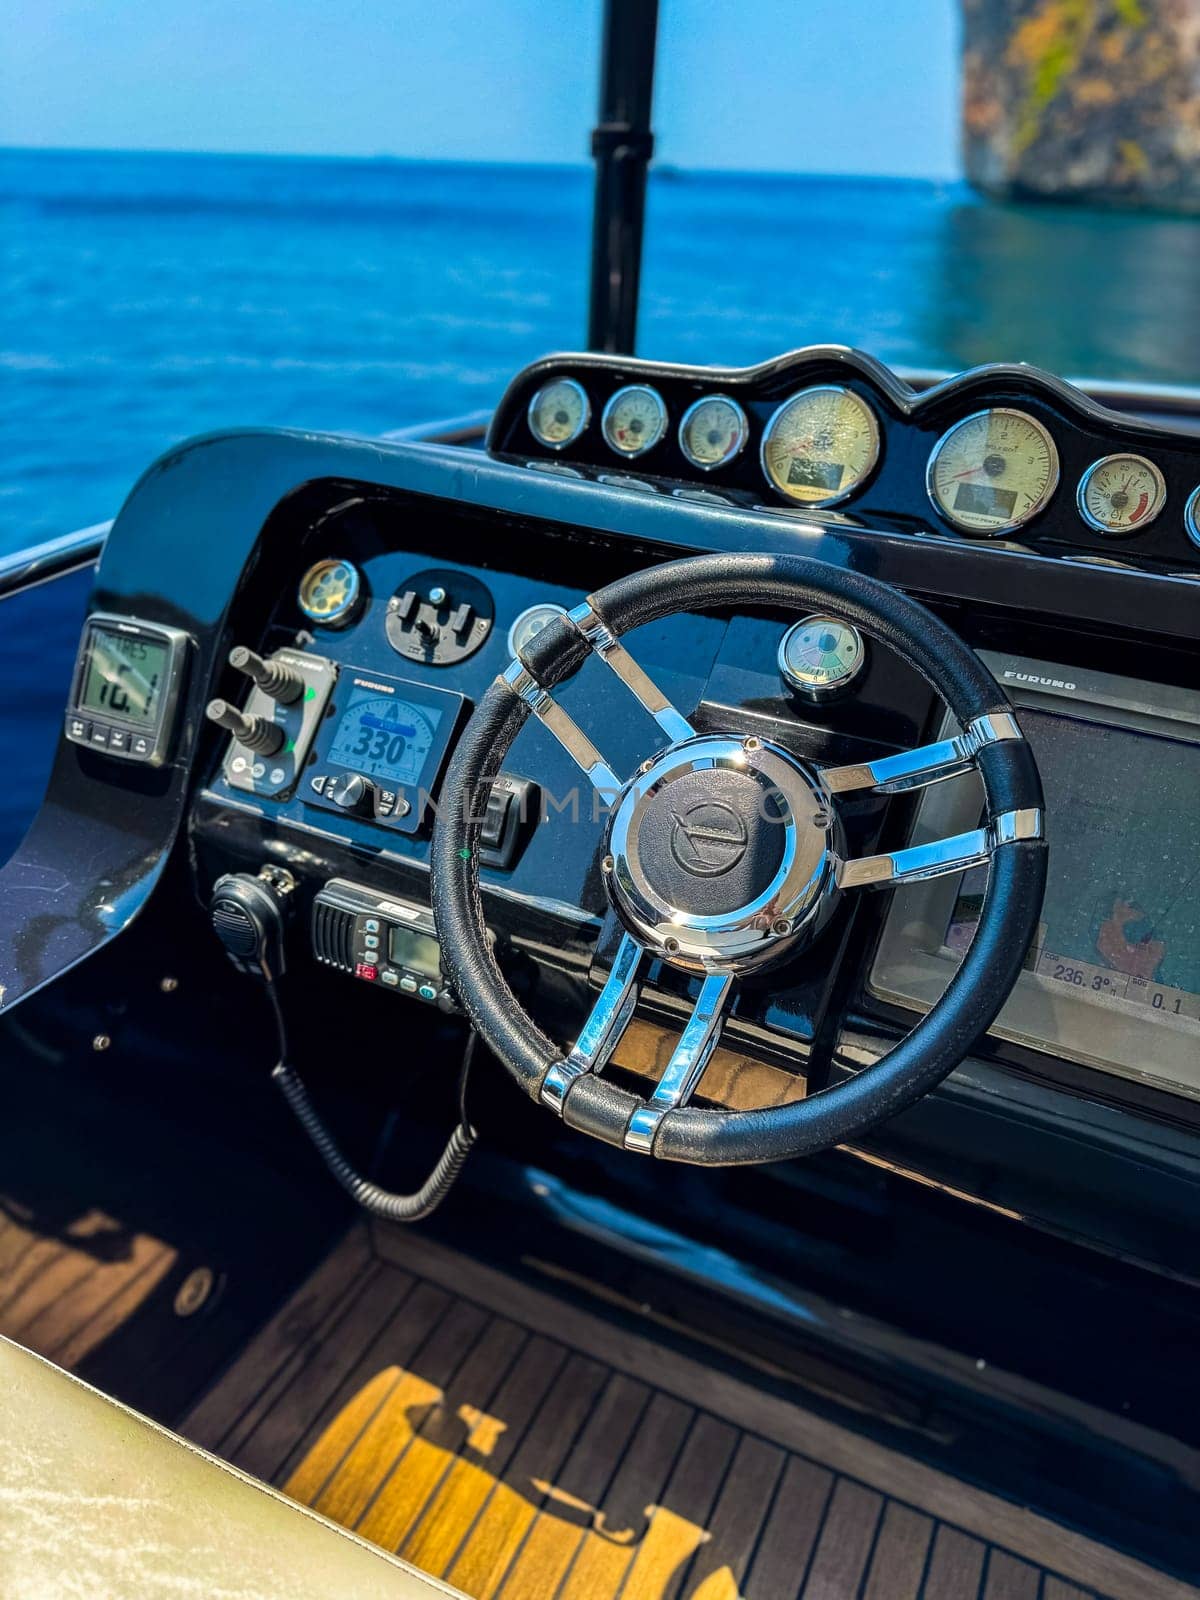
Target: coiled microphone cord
379, 1202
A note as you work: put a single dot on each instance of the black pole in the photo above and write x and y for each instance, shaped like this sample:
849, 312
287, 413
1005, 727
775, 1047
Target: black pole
622, 145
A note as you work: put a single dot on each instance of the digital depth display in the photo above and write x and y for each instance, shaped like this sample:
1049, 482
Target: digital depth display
1121, 919
123, 676
419, 952
385, 737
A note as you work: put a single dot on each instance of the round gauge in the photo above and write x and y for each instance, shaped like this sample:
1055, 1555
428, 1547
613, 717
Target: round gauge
530, 623
713, 432
821, 445
820, 657
634, 420
1191, 516
559, 412
330, 592
993, 471
1121, 494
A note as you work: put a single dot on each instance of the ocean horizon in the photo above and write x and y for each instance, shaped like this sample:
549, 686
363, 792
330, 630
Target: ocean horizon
150, 296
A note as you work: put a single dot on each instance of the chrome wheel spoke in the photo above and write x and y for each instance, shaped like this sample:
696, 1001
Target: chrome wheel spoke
940, 856
602, 1031
686, 1066
564, 728
930, 763
643, 688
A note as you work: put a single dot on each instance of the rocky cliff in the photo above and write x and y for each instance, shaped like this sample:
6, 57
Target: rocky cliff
1093, 100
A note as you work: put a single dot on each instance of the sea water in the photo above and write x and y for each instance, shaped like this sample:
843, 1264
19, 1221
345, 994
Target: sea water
146, 297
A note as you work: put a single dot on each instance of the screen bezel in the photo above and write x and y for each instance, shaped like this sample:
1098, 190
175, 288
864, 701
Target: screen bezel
158, 730
911, 967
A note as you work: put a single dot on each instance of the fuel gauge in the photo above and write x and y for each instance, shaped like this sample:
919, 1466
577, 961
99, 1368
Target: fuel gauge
820, 657
559, 412
1121, 494
634, 420
713, 432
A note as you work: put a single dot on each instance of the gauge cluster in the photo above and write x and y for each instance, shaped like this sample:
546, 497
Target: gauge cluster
1004, 453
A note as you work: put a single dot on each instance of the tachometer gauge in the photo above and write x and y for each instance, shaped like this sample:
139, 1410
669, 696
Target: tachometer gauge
821, 445
330, 592
559, 412
1121, 494
713, 432
993, 471
634, 420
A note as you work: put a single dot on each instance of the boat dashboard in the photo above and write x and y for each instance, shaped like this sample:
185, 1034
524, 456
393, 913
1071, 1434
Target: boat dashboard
290, 632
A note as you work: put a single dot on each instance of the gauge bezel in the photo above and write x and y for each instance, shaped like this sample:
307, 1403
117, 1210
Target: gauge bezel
740, 439
663, 419
585, 416
817, 693
345, 613
1191, 516
1026, 517
864, 475
1094, 522
541, 605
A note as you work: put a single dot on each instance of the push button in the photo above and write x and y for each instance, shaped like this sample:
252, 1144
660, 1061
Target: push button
390, 976
408, 985
118, 739
78, 728
365, 970
140, 746
99, 736
427, 992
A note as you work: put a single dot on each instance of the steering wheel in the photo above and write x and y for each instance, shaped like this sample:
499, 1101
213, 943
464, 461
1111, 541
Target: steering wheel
725, 853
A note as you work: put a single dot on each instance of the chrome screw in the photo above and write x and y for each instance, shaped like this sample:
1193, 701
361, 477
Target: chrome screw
101, 1042
671, 946
437, 595
751, 744
780, 926
168, 985
607, 864
646, 766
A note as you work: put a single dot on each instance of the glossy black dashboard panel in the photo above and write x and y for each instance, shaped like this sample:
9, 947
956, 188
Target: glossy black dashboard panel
261, 507
893, 495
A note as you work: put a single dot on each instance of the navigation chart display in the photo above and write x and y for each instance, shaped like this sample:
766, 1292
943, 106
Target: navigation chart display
1121, 922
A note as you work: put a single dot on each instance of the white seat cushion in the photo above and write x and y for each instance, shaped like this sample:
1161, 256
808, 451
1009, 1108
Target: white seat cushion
97, 1501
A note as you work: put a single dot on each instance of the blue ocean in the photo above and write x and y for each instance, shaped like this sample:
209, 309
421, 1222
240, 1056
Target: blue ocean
147, 297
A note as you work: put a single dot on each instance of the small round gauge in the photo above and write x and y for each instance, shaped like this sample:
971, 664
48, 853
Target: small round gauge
530, 623
634, 420
330, 592
821, 445
713, 432
1121, 494
820, 657
993, 471
1191, 516
559, 412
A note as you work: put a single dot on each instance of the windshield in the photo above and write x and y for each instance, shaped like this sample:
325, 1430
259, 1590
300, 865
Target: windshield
837, 173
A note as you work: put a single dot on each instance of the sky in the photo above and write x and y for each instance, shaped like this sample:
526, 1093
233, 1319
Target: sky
865, 86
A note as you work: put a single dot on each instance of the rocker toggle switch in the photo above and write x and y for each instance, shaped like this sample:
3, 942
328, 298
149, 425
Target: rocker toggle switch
275, 678
256, 733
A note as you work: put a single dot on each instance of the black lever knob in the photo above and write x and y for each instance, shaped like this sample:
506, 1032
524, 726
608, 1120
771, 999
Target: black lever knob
274, 678
256, 733
352, 792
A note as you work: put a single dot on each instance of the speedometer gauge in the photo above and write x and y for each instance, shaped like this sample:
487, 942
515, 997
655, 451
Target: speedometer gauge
820, 445
559, 412
713, 432
992, 471
634, 420
1121, 494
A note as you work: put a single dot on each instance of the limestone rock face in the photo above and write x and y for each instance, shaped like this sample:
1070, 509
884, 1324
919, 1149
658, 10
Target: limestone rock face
1094, 100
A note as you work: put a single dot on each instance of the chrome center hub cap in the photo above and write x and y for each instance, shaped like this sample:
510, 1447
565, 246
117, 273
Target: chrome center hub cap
721, 854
